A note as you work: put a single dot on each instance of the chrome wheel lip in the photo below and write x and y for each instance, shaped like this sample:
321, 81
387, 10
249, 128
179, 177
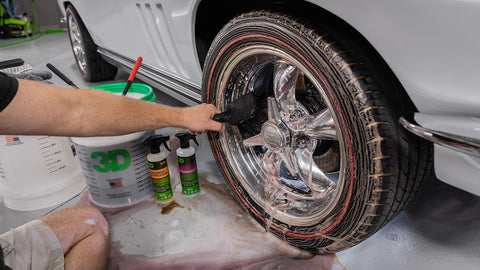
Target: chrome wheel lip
320, 204
78, 47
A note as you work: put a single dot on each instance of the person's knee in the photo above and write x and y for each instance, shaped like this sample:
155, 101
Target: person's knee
84, 235
98, 236
73, 224
78, 216
94, 218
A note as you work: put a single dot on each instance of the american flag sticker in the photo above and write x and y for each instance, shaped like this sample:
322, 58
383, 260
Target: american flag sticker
12, 138
115, 183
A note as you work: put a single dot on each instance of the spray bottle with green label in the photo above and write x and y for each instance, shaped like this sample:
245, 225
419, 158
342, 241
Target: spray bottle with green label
157, 161
187, 164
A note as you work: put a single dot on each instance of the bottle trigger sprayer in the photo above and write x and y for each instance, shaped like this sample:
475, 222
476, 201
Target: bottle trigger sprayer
157, 162
187, 164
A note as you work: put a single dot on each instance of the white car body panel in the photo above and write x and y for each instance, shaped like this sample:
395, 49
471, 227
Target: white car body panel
457, 169
159, 31
431, 46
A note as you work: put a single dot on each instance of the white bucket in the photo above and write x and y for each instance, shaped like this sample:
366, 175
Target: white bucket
38, 171
116, 168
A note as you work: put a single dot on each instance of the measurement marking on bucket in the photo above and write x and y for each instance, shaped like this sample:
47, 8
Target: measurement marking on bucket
48, 146
56, 161
142, 172
51, 155
138, 163
138, 156
58, 169
51, 166
54, 153
41, 139
147, 173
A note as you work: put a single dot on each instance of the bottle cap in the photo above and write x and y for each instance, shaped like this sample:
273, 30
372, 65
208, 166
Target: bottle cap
155, 142
185, 138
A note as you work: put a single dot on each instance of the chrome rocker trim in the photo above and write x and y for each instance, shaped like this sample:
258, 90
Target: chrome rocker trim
455, 142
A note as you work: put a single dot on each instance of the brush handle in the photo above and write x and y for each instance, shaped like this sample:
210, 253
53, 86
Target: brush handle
132, 75
223, 116
135, 68
61, 75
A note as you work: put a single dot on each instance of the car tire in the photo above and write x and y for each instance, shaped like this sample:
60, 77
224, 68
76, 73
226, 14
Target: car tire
92, 66
324, 163
4, 32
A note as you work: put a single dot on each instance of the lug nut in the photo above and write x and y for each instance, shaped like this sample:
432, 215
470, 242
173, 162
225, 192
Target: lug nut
303, 141
295, 115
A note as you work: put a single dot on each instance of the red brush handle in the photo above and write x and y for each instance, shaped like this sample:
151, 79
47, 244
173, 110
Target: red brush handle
132, 75
135, 69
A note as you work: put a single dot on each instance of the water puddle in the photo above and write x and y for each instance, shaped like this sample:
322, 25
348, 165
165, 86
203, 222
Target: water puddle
170, 207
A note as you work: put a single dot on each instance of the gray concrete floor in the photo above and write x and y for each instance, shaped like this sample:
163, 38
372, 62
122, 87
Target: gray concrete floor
438, 230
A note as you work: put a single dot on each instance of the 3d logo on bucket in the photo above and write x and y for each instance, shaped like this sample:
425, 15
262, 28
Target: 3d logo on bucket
109, 161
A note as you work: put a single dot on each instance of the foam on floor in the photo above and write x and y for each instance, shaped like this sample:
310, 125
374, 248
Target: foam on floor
209, 230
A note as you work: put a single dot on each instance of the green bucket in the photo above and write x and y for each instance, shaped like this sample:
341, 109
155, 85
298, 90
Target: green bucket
135, 88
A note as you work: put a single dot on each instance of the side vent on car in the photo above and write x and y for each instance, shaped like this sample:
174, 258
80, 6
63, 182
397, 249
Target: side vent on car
154, 22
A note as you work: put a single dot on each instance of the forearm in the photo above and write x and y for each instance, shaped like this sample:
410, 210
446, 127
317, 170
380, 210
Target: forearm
40, 109
116, 115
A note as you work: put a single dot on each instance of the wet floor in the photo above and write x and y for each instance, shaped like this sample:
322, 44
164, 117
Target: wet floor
209, 230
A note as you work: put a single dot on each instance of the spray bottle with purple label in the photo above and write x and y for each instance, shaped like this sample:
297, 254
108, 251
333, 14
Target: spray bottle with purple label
187, 164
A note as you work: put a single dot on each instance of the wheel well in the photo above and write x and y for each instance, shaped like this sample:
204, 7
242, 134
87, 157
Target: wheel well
208, 22
65, 4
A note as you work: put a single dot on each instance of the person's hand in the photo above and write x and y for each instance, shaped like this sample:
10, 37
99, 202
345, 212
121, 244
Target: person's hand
198, 119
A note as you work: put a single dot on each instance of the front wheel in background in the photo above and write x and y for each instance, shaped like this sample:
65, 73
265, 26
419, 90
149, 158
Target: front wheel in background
5, 32
90, 63
324, 163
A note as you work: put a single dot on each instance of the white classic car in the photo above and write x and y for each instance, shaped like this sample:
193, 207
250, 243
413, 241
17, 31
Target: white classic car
347, 98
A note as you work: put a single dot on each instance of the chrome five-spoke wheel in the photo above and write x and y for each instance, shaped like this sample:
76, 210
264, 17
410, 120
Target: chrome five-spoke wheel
279, 164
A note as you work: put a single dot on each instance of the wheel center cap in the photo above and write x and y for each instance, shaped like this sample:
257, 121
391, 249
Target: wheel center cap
275, 136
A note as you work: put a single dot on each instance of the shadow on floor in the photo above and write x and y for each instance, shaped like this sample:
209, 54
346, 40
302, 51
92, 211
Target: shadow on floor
445, 214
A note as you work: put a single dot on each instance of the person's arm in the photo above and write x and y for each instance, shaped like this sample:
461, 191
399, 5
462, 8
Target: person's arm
42, 109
